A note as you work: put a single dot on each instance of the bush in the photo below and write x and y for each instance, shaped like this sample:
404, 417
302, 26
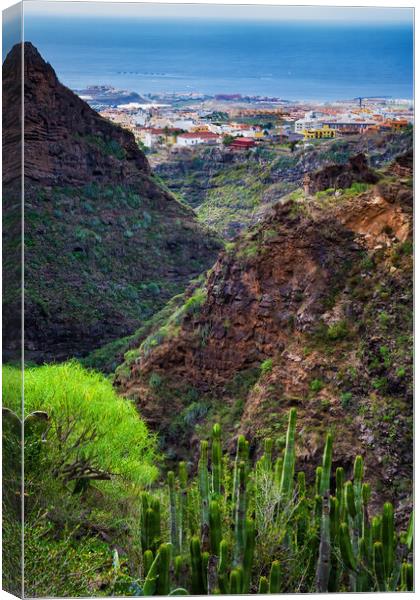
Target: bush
316, 385
337, 331
345, 399
266, 366
86, 418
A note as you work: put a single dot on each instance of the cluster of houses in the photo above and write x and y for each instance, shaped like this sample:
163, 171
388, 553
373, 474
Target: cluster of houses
190, 134
321, 125
162, 125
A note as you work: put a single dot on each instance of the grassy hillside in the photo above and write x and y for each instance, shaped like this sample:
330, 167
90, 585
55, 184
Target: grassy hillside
88, 456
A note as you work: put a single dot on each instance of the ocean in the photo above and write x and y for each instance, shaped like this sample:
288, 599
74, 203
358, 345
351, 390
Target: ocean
293, 61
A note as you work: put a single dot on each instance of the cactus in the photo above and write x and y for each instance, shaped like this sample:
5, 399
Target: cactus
147, 561
205, 558
358, 470
274, 586
324, 485
346, 547
183, 504
235, 581
150, 583
366, 492
324, 559
376, 529
150, 523
215, 520
222, 568
248, 554
197, 579
216, 459
341, 547
164, 563
318, 510
349, 499
204, 483
287, 475
241, 457
318, 477
339, 487
267, 457
173, 513
240, 515
263, 585
335, 570
278, 468
178, 563
388, 538
379, 566
407, 577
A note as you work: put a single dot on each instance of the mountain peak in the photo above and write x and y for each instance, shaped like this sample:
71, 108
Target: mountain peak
66, 141
96, 221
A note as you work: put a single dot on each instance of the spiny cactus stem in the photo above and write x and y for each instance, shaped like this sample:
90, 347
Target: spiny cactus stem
326, 466
286, 484
324, 559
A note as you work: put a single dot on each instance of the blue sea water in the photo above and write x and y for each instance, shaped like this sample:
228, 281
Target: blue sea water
289, 60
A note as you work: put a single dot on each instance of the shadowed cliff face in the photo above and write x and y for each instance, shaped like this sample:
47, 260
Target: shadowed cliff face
65, 138
105, 245
311, 308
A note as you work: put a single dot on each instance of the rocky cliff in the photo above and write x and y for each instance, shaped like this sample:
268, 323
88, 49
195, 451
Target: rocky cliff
105, 244
310, 308
232, 190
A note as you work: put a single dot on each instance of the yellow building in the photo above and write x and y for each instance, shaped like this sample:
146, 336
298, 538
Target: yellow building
319, 134
200, 128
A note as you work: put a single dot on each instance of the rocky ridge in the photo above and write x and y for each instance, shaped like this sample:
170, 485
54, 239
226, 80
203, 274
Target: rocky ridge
97, 223
310, 308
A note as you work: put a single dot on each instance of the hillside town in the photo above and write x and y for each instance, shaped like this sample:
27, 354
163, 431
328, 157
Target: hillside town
240, 123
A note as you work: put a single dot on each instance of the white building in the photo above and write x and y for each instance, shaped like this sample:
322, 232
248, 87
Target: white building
200, 137
309, 121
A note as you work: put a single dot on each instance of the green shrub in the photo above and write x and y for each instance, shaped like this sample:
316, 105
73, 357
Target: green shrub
337, 331
83, 404
155, 381
266, 366
345, 399
194, 302
316, 385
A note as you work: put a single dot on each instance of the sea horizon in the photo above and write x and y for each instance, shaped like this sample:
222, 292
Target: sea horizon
312, 61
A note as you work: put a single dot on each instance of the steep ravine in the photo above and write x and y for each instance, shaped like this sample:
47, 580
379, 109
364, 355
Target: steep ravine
310, 308
232, 190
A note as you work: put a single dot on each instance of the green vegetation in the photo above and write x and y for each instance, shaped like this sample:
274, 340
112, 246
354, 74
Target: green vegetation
237, 529
88, 456
112, 239
266, 366
107, 147
86, 418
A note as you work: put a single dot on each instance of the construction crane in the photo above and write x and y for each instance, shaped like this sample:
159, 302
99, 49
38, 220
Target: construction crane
361, 98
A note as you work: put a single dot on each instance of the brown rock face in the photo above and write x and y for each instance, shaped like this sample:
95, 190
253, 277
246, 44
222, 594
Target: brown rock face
105, 245
340, 176
311, 308
60, 129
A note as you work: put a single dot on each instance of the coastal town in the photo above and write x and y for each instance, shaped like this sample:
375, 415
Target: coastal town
170, 122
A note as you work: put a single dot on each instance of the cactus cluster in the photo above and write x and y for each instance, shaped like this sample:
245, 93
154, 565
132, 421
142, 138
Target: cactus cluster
326, 539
